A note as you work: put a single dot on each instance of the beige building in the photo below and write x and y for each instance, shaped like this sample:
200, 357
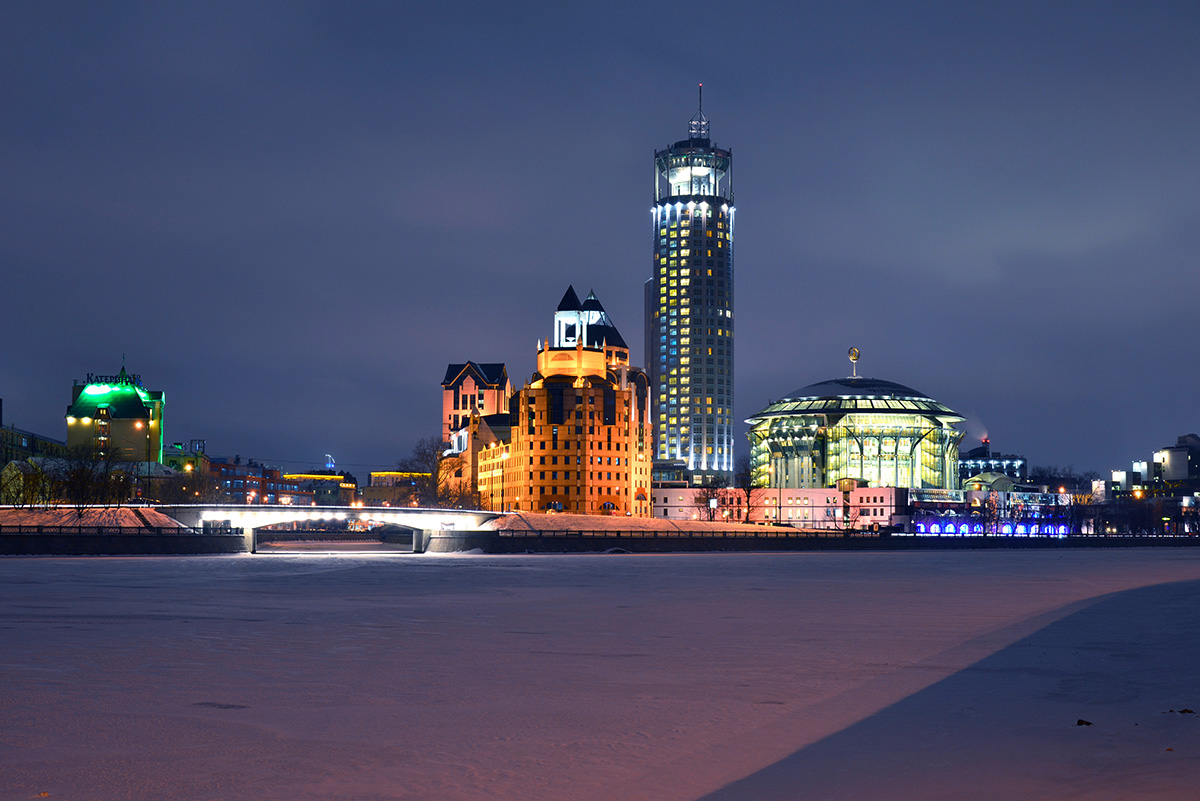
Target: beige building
116, 418
392, 488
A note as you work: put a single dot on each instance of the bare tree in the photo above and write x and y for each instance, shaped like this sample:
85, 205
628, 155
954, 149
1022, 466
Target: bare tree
1066, 479
708, 497
12, 476
848, 520
746, 494
188, 487
460, 493
84, 481
79, 479
26, 483
436, 483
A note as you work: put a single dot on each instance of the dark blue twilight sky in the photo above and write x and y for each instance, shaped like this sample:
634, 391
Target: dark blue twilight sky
292, 216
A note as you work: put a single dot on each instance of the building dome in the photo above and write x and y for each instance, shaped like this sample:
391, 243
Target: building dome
856, 394
877, 432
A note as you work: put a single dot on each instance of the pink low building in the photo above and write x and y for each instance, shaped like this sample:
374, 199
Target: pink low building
825, 508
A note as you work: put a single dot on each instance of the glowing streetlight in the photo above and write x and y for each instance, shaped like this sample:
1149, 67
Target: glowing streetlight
503, 460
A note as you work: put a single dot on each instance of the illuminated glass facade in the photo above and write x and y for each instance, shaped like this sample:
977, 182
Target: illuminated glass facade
689, 304
877, 432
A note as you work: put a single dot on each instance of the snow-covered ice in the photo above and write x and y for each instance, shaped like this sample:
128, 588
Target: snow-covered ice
607, 677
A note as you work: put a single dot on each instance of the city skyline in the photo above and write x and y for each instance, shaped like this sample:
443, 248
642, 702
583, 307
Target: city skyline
314, 211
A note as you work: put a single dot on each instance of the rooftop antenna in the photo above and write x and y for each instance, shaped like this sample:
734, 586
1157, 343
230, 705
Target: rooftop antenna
853, 354
698, 125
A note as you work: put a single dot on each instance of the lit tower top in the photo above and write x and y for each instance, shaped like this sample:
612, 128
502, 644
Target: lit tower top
689, 304
694, 167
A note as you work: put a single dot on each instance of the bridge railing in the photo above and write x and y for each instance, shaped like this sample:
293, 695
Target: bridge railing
95, 530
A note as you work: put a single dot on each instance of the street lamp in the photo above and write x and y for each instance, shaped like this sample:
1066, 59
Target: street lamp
503, 462
779, 488
779, 499
492, 488
777, 479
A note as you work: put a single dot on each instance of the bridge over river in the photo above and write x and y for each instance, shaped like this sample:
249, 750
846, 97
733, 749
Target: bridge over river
422, 523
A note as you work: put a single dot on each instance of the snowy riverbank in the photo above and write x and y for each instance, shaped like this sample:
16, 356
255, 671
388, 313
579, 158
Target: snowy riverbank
827, 675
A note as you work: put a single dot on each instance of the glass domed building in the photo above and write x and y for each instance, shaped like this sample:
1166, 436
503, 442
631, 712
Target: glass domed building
880, 433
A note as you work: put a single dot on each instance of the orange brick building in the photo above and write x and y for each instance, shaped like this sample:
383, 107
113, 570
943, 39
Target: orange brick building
578, 437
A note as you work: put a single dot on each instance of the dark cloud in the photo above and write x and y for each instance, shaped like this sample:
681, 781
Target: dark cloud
292, 216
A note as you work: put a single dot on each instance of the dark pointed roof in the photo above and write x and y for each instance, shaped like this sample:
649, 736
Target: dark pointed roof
570, 301
603, 331
491, 373
592, 304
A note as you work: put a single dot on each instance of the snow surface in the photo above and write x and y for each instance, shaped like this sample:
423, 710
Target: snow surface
108, 516
661, 676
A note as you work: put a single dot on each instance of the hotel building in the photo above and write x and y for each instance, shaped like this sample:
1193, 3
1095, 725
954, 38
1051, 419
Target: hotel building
116, 418
578, 440
689, 305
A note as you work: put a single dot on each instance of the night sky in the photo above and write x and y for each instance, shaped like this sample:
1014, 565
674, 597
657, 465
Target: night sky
291, 217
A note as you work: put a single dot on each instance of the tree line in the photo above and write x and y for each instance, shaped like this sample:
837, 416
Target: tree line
81, 480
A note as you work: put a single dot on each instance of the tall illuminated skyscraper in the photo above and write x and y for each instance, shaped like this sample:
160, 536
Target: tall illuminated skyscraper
689, 304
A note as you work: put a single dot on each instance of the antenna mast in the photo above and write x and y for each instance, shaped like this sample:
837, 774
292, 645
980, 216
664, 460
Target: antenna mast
698, 125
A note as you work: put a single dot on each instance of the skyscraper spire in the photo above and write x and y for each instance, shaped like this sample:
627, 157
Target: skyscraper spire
698, 124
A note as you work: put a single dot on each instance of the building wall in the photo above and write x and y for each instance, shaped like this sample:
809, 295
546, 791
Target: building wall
17, 445
128, 440
116, 418
1177, 463
981, 460
466, 445
859, 508
896, 450
691, 336
578, 441
469, 393
392, 488
186, 461
258, 484
326, 489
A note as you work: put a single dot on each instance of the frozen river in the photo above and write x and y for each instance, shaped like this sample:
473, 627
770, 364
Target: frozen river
609, 677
